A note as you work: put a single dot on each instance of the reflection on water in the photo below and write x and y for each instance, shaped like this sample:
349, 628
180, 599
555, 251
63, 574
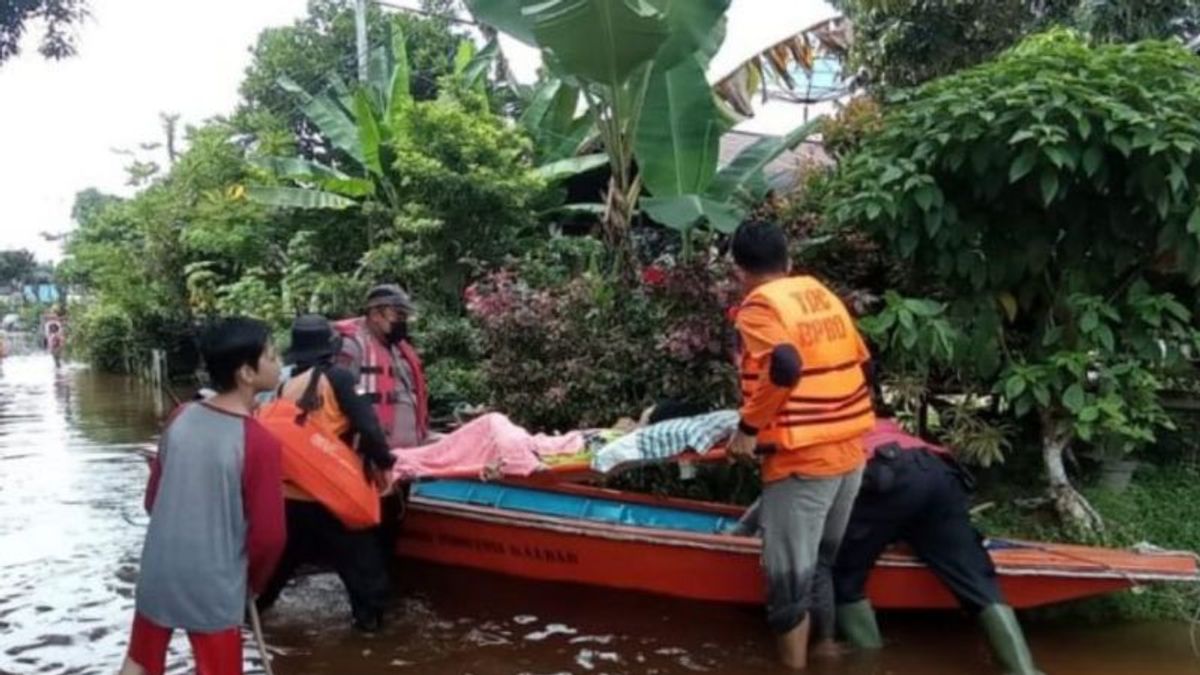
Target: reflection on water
71, 526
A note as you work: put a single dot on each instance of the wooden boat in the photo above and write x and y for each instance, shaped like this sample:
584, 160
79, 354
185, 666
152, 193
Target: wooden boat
565, 532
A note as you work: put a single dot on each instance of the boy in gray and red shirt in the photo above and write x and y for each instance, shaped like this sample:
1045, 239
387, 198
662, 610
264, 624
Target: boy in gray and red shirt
216, 511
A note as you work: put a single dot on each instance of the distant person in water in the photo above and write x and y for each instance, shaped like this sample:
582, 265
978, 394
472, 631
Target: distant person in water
55, 341
215, 498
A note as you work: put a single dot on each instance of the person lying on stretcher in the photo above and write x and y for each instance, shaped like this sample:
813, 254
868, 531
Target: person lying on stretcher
492, 446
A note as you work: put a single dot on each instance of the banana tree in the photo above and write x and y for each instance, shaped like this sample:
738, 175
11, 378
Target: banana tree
361, 124
639, 66
619, 55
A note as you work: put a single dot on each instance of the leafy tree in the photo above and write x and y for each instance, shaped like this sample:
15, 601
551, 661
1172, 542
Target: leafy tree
904, 43
1133, 20
16, 266
58, 16
320, 50
1049, 198
435, 181
88, 203
133, 254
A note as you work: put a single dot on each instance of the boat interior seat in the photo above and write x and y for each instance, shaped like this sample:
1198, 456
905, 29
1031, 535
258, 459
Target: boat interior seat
574, 507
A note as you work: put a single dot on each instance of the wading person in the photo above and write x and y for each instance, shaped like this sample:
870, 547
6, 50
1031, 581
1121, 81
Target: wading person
216, 511
806, 405
916, 493
377, 352
55, 342
326, 394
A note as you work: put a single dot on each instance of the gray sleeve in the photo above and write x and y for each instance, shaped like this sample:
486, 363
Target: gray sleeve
351, 358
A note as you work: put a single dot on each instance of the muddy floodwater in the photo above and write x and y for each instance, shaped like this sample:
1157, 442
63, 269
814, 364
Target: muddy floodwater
71, 526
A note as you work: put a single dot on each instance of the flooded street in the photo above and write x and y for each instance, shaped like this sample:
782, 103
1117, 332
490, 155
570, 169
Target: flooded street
71, 525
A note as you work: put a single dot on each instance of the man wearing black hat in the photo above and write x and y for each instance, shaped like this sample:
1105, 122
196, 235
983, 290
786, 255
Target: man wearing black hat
387, 369
326, 392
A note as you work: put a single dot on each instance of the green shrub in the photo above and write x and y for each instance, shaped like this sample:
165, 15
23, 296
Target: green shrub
583, 351
1159, 508
104, 336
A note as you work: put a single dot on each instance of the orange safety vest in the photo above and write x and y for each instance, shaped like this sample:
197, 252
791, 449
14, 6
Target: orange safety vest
377, 380
832, 401
317, 465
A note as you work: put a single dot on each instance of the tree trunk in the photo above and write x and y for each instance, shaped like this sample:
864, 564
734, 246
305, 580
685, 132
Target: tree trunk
617, 221
1072, 507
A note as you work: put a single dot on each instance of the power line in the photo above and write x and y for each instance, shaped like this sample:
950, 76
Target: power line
426, 13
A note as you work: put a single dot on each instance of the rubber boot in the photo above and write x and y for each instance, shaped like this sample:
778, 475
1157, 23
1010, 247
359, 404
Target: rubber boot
856, 621
1007, 641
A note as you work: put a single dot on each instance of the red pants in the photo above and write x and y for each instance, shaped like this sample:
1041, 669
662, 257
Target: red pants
218, 653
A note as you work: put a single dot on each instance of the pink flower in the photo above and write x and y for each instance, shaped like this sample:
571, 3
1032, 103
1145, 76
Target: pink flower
654, 276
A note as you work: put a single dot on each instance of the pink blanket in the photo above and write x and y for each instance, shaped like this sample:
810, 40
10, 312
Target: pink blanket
489, 442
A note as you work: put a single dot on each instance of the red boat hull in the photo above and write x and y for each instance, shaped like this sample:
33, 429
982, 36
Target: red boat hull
726, 568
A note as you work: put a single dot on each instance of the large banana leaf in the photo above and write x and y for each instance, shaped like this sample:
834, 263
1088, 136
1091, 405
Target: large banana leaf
297, 198
473, 65
695, 26
297, 169
336, 87
684, 212
328, 178
678, 138
348, 187
533, 118
562, 113
565, 168
368, 132
399, 92
379, 77
506, 16
550, 118
601, 41
580, 135
329, 117
743, 170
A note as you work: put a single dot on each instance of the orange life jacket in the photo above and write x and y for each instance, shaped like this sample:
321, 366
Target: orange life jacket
317, 465
832, 401
377, 380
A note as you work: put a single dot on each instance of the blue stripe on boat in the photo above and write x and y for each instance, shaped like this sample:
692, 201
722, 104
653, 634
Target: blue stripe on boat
573, 507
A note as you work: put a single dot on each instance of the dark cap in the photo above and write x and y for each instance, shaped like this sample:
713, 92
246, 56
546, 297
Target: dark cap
389, 295
313, 339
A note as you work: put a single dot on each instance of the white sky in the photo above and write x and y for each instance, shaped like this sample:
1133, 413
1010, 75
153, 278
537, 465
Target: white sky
60, 121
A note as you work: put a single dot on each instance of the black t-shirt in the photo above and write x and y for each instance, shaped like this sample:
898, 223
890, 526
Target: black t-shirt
372, 443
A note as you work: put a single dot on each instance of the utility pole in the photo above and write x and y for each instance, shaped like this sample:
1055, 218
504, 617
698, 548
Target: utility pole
360, 30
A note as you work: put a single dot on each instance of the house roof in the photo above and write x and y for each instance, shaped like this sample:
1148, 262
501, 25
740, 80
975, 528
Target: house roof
785, 171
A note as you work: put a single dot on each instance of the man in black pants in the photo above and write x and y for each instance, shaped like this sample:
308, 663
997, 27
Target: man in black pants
916, 493
326, 392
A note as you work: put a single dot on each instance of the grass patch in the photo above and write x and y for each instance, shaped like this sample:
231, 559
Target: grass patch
1161, 507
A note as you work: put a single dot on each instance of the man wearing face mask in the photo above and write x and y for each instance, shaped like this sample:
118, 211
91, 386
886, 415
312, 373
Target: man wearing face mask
378, 353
